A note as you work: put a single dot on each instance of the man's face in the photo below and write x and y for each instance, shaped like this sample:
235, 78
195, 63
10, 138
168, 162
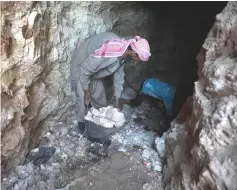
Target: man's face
134, 57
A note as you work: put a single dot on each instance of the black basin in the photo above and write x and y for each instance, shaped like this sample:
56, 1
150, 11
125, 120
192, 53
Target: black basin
97, 133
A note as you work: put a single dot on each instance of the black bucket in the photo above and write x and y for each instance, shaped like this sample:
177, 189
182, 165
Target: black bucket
97, 133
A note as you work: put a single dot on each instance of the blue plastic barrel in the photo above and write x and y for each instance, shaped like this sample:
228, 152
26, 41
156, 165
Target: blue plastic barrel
160, 90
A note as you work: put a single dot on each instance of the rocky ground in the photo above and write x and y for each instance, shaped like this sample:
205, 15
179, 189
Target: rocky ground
120, 171
132, 161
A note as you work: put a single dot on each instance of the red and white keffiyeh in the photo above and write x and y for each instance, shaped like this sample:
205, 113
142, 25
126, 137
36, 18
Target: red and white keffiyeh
117, 47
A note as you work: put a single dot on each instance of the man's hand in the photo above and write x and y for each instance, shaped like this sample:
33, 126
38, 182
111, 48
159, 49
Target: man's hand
118, 104
87, 97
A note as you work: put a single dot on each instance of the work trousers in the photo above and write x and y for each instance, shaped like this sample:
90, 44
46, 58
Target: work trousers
98, 97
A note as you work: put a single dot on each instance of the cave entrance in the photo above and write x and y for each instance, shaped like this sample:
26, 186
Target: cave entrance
180, 29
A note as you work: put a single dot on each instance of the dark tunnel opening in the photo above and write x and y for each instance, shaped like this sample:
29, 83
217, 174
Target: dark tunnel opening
40, 108
186, 24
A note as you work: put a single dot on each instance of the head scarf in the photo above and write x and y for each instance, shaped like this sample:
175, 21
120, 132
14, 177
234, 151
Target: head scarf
117, 47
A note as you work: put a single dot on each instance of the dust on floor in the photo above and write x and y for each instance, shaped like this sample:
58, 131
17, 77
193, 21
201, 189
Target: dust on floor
121, 171
132, 162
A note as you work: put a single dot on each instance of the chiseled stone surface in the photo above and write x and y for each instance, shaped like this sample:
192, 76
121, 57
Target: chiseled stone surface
37, 41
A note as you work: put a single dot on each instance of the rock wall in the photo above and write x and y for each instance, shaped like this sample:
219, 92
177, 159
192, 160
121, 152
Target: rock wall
37, 41
201, 146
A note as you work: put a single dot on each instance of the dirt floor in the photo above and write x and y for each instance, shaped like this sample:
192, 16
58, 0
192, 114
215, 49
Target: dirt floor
130, 162
121, 170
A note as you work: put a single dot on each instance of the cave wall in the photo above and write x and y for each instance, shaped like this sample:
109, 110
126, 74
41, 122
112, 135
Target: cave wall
201, 144
37, 41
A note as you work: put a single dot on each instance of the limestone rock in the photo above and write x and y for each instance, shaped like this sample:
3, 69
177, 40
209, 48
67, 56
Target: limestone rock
203, 154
